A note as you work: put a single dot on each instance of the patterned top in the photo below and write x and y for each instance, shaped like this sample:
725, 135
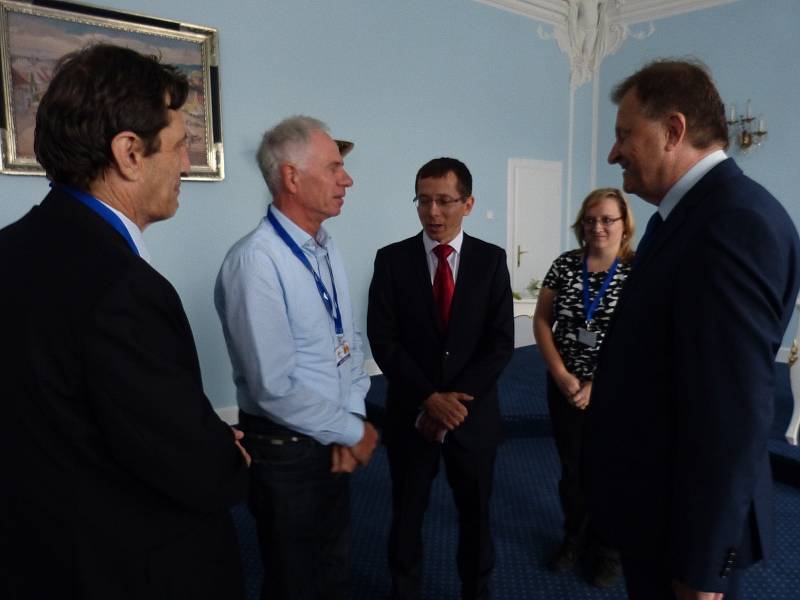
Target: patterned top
565, 278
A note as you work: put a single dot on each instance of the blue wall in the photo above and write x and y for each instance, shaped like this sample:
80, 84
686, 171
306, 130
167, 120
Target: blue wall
412, 79
406, 81
751, 48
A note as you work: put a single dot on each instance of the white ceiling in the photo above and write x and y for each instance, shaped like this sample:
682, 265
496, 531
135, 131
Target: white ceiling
627, 12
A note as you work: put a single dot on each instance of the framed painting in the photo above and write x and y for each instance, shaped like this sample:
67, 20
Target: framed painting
35, 35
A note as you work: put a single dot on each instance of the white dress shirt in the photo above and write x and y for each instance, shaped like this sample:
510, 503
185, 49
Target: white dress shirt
454, 259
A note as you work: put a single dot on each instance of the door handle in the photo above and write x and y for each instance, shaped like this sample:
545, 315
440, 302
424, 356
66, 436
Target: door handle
520, 252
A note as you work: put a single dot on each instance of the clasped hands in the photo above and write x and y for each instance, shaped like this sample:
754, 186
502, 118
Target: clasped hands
443, 411
345, 459
576, 392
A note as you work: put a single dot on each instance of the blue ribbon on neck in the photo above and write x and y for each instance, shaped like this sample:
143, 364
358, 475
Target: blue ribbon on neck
331, 306
102, 211
590, 308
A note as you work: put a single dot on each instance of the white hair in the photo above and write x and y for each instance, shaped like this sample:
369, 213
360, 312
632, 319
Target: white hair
286, 142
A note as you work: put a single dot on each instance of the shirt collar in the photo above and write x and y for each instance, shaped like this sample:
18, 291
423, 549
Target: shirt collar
688, 181
301, 237
455, 243
134, 231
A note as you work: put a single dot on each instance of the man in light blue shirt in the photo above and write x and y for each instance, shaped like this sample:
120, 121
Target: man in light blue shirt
283, 299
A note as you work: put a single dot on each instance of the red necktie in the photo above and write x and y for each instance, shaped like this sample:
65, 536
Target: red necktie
443, 284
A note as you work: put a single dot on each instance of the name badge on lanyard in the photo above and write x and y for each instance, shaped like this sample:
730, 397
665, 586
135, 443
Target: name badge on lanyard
586, 336
342, 350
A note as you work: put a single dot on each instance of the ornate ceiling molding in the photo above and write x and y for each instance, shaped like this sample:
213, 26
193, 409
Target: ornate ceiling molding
589, 30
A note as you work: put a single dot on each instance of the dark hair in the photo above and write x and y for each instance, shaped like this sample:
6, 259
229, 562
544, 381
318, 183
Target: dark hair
685, 86
628, 223
95, 94
440, 167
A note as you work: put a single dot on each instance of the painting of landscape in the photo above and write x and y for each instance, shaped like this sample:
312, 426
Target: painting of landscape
35, 43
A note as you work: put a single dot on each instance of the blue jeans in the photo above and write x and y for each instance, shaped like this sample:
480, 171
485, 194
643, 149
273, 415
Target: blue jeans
302, 513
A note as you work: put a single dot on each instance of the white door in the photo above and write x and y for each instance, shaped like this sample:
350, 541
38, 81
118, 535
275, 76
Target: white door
534, 219
534, 231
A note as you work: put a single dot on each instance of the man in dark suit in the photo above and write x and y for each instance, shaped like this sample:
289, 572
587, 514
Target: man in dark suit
440, 326
677, 461
116, 473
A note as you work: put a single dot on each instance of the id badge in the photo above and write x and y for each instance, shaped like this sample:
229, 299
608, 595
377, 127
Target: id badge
586, 337
342, 352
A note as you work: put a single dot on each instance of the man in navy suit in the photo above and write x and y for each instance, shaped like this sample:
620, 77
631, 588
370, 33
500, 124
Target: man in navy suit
677, 463
440, 324
116, 475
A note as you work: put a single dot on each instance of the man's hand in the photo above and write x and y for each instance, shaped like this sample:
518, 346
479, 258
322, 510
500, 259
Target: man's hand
363, 450
342, 459
581, 398
684, 592
237, 436
430, 429
447, 407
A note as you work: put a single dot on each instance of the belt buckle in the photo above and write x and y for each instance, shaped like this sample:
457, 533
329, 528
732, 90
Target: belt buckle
276, 441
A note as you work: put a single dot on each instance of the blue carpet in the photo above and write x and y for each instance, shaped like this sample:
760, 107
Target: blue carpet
527, 521
525, 508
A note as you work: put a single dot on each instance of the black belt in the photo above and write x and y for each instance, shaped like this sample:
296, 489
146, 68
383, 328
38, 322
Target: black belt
265, 430
278, 440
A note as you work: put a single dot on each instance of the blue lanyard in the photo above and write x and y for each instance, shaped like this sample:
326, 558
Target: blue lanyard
331, 306
588, 308
102, 211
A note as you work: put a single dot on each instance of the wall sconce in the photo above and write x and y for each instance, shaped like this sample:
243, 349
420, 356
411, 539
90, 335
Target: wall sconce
746, 131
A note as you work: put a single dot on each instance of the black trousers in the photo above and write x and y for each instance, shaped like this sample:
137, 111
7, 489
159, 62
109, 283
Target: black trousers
568, 425
413, 464
302, 514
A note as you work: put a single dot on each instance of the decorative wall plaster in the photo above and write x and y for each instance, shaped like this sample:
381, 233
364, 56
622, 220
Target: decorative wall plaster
588, 35
589, 30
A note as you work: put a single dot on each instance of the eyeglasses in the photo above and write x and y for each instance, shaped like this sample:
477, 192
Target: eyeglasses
604, 221
441, 201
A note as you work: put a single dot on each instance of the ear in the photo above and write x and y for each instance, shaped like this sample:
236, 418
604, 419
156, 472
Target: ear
289, 176
468, 204
675, 129
127, 149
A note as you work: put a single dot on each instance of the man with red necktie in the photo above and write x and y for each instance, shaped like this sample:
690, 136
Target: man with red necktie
440, 325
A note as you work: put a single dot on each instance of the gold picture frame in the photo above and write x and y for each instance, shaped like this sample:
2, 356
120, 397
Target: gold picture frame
35, 34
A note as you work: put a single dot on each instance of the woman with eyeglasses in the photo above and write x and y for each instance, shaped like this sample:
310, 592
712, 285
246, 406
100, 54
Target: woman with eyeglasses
573, 311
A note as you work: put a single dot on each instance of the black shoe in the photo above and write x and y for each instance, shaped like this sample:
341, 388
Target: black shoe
605, 571
566, 557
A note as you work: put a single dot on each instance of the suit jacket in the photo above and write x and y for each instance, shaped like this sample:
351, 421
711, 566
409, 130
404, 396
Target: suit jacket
418, 357
682, 402
116, 473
